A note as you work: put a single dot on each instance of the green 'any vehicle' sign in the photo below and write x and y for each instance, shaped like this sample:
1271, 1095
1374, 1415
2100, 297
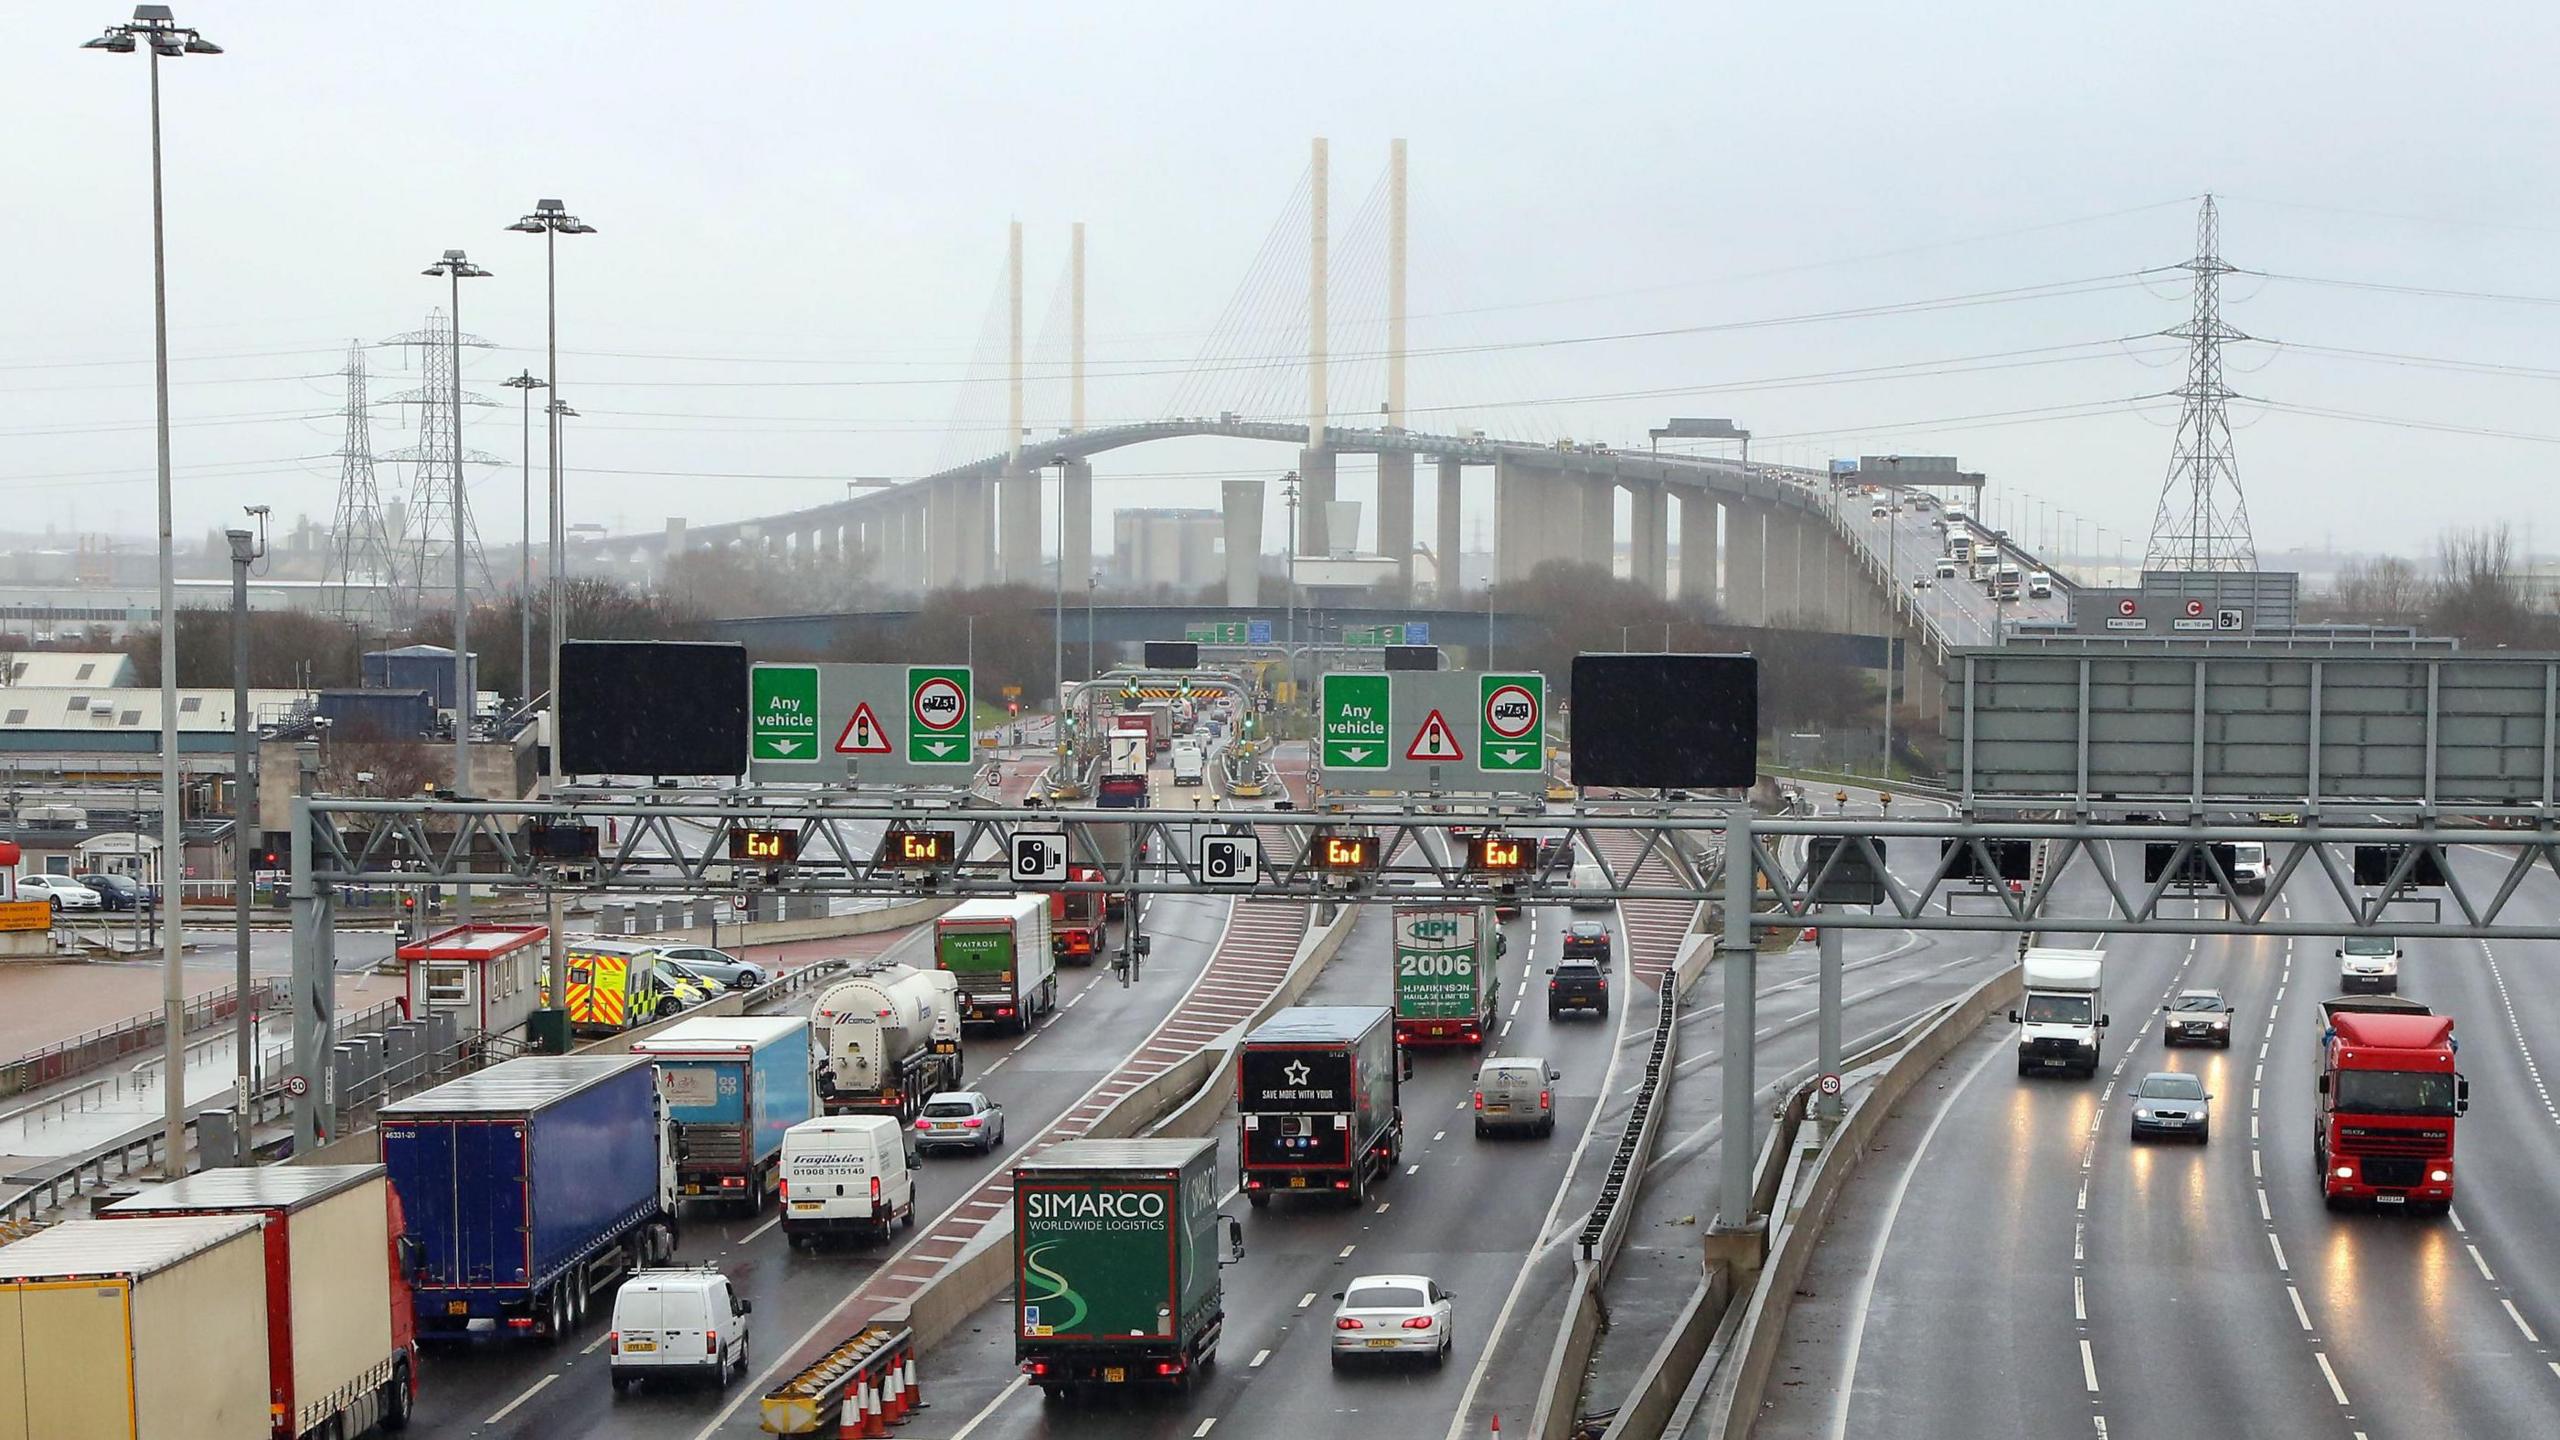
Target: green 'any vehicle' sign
1355, 722
782, 712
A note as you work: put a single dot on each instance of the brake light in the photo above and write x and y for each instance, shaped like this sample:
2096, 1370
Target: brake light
1546, 1100
613, 1342
1604, 982
710, 1342
1553, 985
1004, 1010
1418, 1322
785, 1183
1479, 1099
519, 1322
1036, 1368
1341, 1184
1168, 1367
1345, 1322
972, 1123
875, 1189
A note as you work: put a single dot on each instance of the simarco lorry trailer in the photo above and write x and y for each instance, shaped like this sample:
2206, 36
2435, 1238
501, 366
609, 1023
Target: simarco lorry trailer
732, 1085
1448, 976
2389, 1097
1116, 1258
1318, 1103
530, 1187
887, 1038
342, 1355
998, 949
147, 1329
2062, 1019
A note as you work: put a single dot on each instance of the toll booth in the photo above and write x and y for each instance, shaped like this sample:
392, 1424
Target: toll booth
488, 976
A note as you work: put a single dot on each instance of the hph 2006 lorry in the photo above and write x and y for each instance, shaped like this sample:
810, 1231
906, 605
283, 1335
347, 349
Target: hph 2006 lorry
1447, 978
146, 1329
529, 1187
2061, 1020
732, 1085
887, 1038
1116, 1255
1318, 1103
2389, 1097
998, 949
340, 1332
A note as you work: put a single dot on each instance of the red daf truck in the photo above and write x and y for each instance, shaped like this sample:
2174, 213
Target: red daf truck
2389, 1096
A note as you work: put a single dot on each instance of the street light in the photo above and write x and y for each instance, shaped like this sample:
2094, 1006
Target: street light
153, 24
524, 582
550, 220
453, 269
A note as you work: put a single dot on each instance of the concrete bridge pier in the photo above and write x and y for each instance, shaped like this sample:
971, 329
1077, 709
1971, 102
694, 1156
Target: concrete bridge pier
977, 532
1515, 516
1648, 537
908, 562
1395, 513
1018, 519
1697, 547
1243, 500
1315, 492
1784, 578
1745, 551
1600, 524
1447, 536
942, 538
1075, 501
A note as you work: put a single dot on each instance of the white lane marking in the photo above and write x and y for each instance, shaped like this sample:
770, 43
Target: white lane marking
1258, 1357
1011, 1389
591, 1346
2483, 1264
1413, 1169
2278, 1246
1079, 999
536, 1388
1439, 1134
2262, 1208
1866, 1292
2299, 1314
2336, 1389
2456, 1217
991, 1069
2088, 1368
2518, 1316
1506, 1030
750, 1237
1382, 1206
1205, 1427
1515, 1006
1346, 1251
2079, 1299
1306, 1300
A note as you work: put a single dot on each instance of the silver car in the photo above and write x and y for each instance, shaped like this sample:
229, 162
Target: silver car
1386, 1315
2172, 1102
723, 970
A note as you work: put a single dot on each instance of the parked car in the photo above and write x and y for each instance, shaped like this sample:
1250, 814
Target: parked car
960, 1120
1387, 1315
65, 892
678, 1323
722, 969
117, 892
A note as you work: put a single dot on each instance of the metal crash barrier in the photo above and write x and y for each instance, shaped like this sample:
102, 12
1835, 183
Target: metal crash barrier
861, 1388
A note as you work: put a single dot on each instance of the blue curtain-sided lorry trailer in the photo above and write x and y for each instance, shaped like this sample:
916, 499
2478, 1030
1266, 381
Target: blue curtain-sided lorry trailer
530, 1187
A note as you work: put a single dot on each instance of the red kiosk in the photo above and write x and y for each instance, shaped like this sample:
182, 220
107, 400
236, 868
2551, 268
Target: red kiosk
489, 975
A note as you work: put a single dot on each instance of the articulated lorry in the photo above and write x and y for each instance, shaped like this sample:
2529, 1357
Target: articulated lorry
341, 1336
529, 1187
998, 949
1116, 1257
2389, 1096
1318, 1103
886, 1039
1076, 917
732, 1085
2062, 1019
144, 1329
1448, 980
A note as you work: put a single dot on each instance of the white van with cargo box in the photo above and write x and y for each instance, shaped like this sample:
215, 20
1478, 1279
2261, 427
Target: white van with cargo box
2061, 1019
846, 1173
673, 1323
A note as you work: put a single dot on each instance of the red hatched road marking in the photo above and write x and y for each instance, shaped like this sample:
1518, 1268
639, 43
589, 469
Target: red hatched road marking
1654, 928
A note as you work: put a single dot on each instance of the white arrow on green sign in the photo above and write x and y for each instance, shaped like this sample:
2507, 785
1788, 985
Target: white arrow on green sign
1511, 722
1355, 722
782, 713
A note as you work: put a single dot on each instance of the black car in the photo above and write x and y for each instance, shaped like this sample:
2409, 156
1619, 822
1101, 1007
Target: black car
1587, 940
116, 892
1577, 985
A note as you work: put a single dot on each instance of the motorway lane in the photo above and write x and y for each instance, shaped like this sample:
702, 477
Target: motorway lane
1099, 1022
1465, 1214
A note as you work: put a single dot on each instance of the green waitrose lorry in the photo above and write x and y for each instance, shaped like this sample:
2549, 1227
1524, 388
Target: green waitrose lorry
1116, 1258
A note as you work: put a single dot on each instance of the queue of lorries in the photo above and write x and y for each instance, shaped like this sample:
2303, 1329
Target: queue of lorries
2388, 1093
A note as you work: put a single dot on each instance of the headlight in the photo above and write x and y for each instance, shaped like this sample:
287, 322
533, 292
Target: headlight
2221, 1022
2438, 1176
2346, 1172
2141, 1112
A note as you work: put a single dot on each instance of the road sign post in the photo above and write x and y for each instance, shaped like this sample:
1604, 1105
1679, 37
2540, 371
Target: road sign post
1355, 722
1511, 718
782, 714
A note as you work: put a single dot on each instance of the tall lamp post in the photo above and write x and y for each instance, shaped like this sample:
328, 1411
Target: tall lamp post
453, 269
527, 383
152, 26
246, 550
551, 220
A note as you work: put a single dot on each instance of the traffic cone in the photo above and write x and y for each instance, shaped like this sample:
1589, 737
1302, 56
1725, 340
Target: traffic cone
873, 1426
908, 1385
893, 1400
849, 1426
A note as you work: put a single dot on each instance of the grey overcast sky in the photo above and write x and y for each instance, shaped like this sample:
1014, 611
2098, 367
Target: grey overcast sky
802, 213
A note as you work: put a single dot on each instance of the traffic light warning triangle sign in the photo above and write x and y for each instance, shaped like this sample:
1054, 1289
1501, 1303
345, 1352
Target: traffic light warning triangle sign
862, 734
1435, 742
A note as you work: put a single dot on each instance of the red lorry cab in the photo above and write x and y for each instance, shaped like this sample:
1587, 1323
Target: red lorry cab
2389, 1098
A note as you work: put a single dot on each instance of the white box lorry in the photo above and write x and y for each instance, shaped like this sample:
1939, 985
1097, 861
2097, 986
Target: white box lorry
2063, 1017
1190, 761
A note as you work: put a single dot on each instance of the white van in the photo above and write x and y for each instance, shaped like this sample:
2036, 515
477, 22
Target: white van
1190, 761
1588, 876
672, 1323
846, 1173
